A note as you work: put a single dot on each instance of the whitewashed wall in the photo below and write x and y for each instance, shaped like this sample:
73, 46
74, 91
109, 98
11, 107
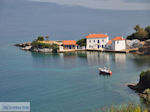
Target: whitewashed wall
92, 43
118, 45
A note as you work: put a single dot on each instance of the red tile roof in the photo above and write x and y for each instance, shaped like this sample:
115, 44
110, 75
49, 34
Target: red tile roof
96, 36
118, 38
69, 42
109, 42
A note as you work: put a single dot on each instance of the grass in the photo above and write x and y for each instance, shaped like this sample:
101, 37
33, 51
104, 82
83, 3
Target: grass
124, 108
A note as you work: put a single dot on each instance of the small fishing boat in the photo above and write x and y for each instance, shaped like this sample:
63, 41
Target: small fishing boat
105, 70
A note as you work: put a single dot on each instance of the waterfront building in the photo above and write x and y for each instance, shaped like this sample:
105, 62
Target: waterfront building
118, 44
69, 44
96, 41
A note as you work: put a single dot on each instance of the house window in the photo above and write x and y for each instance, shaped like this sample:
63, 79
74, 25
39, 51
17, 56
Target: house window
89, 46
102, 40
93, 40
89, 41
98, 46
117, 42
97, 41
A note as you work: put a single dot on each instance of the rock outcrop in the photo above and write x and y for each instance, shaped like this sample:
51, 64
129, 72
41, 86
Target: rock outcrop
44, 50
146, 48
130, 44
143, 86
28, 47
23, 44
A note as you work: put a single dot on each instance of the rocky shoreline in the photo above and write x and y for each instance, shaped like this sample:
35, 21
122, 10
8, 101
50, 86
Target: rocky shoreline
27, 46
143, 86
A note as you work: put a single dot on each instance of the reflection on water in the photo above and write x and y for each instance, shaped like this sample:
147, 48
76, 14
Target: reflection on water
43, 59
120, 60
104, 75
140, 60
93, 58
98, 58
117, 60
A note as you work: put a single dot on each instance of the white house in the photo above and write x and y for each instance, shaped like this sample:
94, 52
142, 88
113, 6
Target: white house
118, 43
96, 41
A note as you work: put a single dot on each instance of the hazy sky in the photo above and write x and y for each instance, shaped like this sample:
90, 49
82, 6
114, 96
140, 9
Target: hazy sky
105, 4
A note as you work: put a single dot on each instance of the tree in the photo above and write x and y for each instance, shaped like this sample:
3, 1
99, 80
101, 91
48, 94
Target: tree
54, 48
81, 42
40, 38
148, 31
46, 37
141, 34
137, 27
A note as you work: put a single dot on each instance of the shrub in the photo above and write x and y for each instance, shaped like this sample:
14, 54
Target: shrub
140, 34
125, 108
55, 48
37, 44
40, 38
81, 42
145, 79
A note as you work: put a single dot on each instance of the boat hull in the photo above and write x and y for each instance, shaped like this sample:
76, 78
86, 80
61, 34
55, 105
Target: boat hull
105, 73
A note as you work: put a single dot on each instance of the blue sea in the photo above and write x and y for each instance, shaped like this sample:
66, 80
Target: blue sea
66, 82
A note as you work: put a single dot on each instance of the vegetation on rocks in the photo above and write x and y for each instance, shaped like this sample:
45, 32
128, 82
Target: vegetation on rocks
54, 47
125, 108
40, 38
143, 86
144, 81
140, 33
38, 44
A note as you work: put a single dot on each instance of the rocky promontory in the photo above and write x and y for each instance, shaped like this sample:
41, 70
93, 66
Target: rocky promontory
143, 86
39, 45
29, 47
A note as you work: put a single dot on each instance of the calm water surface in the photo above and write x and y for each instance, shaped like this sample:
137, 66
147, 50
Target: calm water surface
68, 82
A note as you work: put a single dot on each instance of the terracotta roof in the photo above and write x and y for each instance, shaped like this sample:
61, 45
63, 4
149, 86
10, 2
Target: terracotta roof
109, 42
96, 36
69, 42
118, 38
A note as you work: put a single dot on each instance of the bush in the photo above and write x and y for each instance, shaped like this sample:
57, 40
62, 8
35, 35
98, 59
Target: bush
37, 44
125, 108
40, 38
81, 42
140, 34
145, 79
55, 48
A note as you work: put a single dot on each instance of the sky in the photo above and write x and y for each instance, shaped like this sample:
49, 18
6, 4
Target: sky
105, 4
24, 20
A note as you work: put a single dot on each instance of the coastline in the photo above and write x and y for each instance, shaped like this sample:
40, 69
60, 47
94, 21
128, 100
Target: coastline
26, 46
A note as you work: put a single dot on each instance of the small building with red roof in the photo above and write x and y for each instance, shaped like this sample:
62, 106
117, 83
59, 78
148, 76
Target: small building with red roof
69, 44
96, 41
118, 44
